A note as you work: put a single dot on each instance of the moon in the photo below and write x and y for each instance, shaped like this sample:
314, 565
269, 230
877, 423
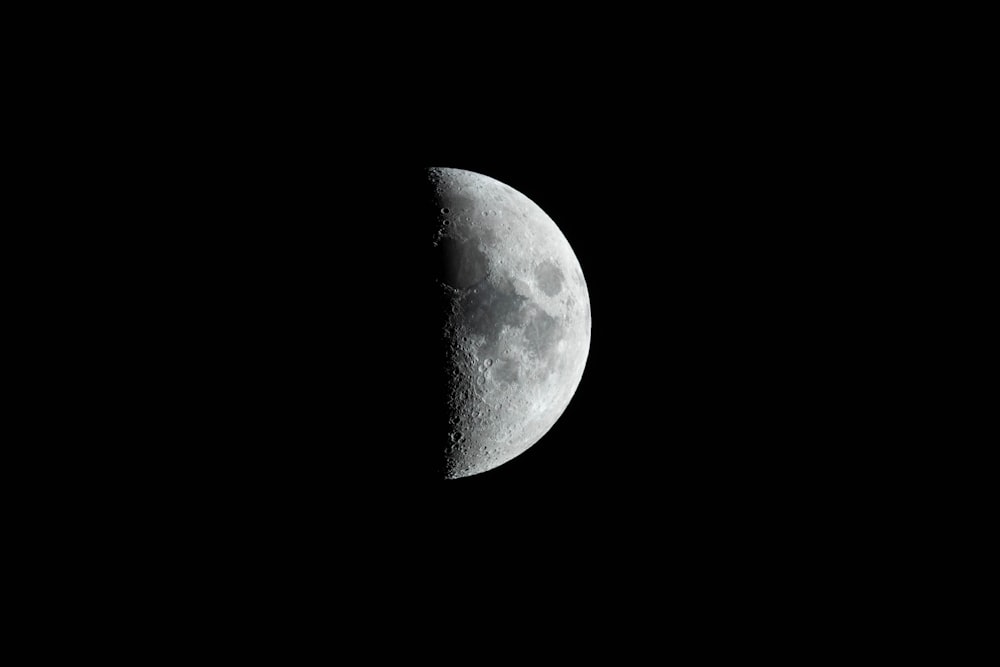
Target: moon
517, 320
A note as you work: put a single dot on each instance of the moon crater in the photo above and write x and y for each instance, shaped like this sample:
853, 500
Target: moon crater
549, 278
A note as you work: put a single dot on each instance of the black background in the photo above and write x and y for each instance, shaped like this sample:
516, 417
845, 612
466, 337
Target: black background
253, 332
276, 333
699, 213
698, 392
699, 458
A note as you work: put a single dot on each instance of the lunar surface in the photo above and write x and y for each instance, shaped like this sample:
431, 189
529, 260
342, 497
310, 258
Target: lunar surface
518, 321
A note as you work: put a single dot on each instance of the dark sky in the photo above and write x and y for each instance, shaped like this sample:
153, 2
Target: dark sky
275, 397
683, 230
699, 216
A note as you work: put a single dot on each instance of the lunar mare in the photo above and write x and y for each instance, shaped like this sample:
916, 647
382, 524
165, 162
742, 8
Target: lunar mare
517, 324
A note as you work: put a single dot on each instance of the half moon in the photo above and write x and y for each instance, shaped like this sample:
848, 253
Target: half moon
518, 320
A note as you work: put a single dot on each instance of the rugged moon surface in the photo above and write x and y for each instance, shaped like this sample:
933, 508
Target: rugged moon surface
517, 312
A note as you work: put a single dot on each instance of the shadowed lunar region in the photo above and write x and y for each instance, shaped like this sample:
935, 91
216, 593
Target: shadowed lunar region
516, 320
